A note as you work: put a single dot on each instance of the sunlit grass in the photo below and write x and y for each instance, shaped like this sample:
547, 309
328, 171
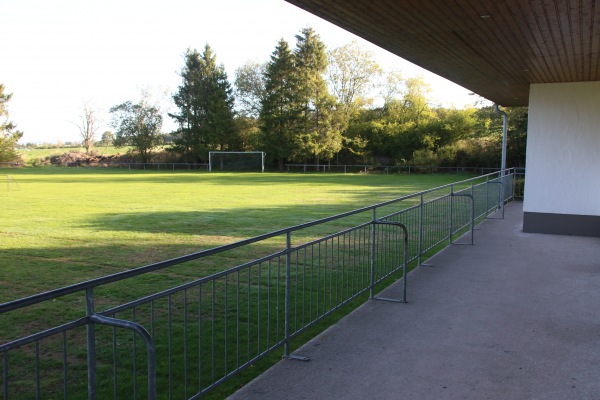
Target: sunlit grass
29, 155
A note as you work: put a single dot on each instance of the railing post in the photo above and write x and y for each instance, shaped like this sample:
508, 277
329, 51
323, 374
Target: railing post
91, 343
404, 261
148, 341
288, 306
451, 212
500, 196
373, 249
420, 230
472, 214
288, 269
487, 195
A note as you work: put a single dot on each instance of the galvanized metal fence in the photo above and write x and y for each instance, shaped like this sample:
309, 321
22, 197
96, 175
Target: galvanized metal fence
183, 341
387, 169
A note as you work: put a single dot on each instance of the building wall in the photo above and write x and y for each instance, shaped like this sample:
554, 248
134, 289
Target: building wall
562, 186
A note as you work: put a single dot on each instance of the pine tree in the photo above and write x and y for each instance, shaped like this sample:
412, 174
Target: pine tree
9, 135
280, 108
205, 101
319, 136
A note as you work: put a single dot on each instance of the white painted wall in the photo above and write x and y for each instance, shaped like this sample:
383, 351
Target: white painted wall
563, 149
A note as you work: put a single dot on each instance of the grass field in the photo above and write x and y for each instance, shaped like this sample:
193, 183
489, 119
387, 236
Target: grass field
30, 155
62, 226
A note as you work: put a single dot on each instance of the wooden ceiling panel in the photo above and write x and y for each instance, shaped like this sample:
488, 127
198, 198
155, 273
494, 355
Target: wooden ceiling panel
495, 48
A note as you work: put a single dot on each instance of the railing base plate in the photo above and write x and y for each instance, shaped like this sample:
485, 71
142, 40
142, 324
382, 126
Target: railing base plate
296, 358
389, 300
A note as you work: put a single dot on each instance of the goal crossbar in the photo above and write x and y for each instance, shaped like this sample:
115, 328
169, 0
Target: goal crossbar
212, 153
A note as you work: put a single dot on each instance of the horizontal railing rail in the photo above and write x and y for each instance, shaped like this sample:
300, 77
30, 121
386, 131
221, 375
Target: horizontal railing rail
199, 333
366, 168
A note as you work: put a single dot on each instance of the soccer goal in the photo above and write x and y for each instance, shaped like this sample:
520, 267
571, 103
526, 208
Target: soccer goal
11, 183
236, 161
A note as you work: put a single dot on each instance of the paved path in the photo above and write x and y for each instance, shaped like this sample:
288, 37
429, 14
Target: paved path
517, 316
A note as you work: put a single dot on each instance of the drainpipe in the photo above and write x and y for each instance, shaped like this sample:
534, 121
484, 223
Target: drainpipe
504, 135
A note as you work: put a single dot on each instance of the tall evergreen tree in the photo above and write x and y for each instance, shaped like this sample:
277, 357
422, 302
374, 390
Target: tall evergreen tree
280, 108
319, 134
9, 135
205, 101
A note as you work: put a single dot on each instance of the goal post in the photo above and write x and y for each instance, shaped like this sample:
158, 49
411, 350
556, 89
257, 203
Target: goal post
236, 160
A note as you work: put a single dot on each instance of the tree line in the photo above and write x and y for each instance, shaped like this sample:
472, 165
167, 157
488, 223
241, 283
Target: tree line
311, 105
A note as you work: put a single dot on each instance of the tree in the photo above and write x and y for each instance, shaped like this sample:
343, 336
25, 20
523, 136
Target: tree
88, 127
107, 138
318, 134
137, 125
250, 88
393, 87
352, 73
205, 101
280, 107
9, 135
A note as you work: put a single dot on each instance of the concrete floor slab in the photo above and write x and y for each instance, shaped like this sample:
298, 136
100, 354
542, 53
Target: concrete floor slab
516, 316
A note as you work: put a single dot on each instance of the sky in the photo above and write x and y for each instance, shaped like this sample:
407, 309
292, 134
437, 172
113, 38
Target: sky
56, 56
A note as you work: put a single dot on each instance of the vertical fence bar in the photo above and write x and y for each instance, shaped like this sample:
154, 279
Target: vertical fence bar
288, 261
473, 212
185, 350
38, 392
373, 233
115, 373
91, 344
487, 195
226, 317
65, 367
199, 337
420, 230
404, 264
451, 212
5, 372
133, 318
237, 321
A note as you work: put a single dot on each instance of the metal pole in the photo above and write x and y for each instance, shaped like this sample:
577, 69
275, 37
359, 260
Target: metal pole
451, 211
420, 230
373, 227
288, 268
405, 251
504, 137
487, 195
91, 343
472, 214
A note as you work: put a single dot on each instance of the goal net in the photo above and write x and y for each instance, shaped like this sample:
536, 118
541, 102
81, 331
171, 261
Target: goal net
236, 161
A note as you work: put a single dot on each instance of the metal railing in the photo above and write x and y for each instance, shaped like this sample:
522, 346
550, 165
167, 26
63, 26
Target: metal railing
386, 169
10, 164
165, 166
187, 339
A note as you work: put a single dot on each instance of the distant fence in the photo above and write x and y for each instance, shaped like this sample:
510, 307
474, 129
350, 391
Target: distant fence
392, 169
10, 164
160, 166
185, 340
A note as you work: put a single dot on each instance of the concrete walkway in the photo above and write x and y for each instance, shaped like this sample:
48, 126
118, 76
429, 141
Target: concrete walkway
517, 316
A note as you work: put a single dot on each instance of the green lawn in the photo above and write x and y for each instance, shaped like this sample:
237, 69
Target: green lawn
68, 225
30, 155
61, 226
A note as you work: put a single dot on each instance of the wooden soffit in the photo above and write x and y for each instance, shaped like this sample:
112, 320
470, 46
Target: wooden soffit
495, 48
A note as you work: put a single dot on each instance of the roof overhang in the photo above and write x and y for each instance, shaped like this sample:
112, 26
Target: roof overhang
495, 48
